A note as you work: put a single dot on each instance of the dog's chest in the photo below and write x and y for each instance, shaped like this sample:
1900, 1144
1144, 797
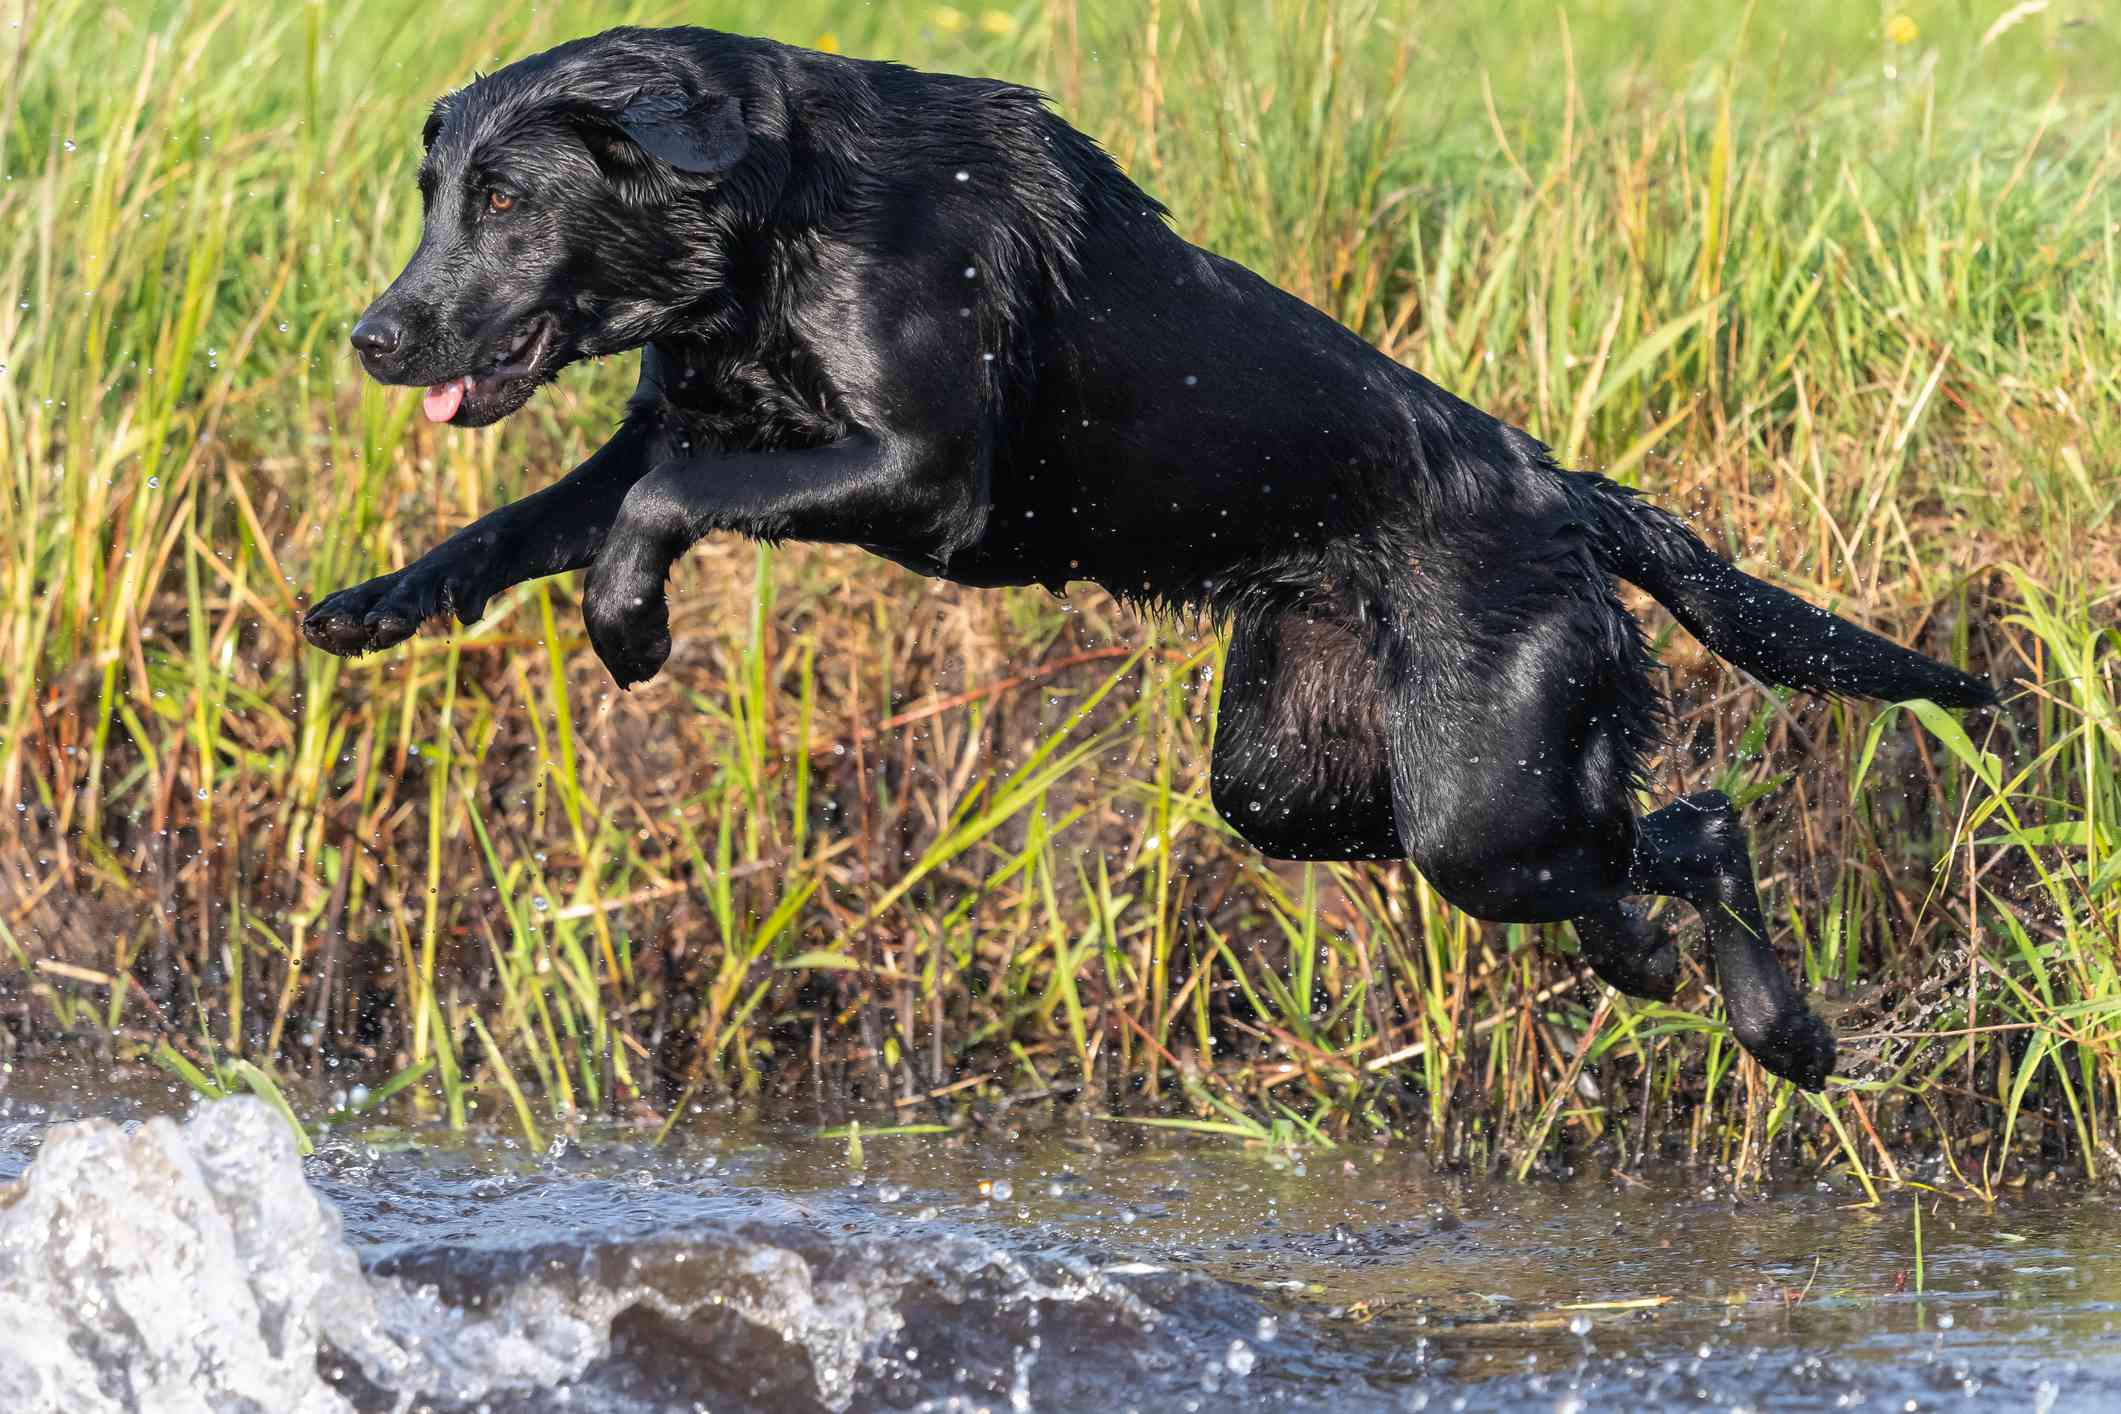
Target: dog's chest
726, 402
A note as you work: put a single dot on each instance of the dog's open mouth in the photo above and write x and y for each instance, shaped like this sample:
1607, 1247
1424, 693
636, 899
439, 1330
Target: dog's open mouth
443, 400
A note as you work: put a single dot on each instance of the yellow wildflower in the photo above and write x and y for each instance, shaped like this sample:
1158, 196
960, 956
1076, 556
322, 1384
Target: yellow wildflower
947, 19
827, 43
1901, 29
997, 22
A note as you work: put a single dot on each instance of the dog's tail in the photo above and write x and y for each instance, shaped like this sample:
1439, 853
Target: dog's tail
1767, 631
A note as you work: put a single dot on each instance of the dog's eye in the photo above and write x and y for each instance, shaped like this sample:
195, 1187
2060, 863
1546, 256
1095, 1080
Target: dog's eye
499, 201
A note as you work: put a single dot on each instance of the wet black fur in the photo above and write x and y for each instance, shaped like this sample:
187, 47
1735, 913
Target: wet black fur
921, 314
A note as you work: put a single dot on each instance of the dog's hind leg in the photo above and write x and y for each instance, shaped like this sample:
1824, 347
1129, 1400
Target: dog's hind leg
1695, 849
1302, 772
1629, 951
1517, 712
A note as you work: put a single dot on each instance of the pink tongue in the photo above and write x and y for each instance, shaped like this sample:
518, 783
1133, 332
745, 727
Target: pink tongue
443, 399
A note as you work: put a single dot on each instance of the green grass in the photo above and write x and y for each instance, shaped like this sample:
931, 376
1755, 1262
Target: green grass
1854, 302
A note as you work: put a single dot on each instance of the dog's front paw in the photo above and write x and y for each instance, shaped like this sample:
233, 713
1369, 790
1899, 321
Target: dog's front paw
628, 620
387, 609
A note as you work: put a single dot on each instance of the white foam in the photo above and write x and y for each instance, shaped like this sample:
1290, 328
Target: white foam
179, 1269
193, 1269
174, 1269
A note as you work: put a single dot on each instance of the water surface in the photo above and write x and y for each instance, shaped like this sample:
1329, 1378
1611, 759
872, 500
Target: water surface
1068, 1265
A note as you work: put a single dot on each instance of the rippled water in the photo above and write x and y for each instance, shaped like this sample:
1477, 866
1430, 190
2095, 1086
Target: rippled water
1091, 1266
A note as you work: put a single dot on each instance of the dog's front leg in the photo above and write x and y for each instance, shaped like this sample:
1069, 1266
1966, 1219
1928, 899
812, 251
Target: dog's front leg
918, 493
550, 531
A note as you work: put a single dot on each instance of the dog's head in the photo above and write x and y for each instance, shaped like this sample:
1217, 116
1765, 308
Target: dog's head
574, 203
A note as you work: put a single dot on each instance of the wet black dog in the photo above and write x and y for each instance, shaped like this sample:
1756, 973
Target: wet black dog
923, 315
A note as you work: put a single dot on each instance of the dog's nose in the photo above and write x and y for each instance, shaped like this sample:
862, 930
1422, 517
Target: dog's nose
377, 335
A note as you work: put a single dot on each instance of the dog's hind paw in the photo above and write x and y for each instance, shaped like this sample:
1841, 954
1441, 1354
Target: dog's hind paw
1799, 1048
1631, 953
1652, 974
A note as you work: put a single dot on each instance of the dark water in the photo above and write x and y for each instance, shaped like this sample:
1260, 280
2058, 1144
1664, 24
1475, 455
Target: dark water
1094, 1266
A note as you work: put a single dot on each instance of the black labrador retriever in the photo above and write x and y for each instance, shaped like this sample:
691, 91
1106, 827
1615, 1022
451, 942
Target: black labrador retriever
921, 314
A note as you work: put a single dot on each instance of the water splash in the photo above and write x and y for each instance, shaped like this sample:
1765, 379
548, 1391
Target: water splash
177, 1269
193, 1268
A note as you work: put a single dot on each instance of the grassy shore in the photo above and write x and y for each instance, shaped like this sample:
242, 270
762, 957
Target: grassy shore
1846, 288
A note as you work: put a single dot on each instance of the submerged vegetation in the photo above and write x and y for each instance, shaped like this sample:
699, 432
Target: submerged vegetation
1845, 287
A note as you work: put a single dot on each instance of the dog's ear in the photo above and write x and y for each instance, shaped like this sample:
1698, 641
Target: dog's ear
701, 137
437, 116
651, 145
